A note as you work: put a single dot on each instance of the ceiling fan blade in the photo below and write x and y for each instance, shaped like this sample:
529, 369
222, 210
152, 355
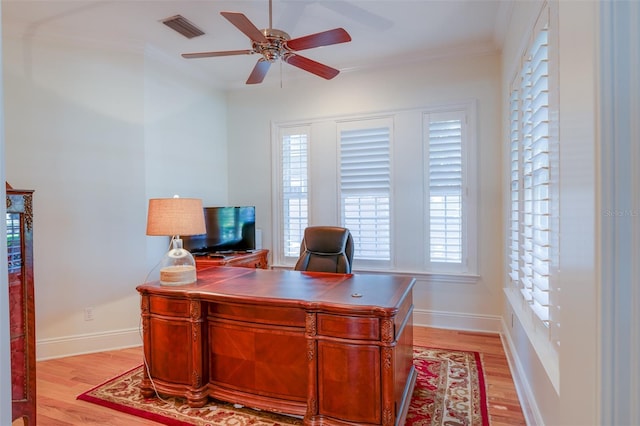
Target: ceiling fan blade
212, 54
259, 71
325, 38
311, 66
245, 25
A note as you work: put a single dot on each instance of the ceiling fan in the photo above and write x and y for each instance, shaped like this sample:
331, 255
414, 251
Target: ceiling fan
273, 44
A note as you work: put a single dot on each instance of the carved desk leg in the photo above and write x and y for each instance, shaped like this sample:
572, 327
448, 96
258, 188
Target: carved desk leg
146, 387
312, 359
388, 361
197, 395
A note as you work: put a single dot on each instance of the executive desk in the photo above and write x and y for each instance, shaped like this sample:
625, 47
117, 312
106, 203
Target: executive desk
333, 348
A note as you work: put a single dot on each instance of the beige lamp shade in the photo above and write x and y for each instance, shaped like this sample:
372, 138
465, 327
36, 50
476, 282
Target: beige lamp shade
175, 216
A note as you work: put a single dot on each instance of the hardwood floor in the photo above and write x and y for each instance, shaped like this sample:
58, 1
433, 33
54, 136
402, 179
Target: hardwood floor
60, 381
504, 406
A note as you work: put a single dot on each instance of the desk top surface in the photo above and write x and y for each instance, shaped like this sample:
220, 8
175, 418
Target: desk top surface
353, 292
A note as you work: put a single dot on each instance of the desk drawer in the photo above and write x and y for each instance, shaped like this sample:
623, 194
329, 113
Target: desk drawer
169, 307
272, 315
346, 327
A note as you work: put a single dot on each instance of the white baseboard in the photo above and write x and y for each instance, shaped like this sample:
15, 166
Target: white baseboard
528, 403
457, 321
118, 339
87, 343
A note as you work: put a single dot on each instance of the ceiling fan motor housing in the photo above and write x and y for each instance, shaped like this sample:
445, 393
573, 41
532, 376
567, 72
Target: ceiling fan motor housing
275, 48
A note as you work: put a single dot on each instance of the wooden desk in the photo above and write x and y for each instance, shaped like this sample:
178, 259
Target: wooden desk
336, 349
252, 259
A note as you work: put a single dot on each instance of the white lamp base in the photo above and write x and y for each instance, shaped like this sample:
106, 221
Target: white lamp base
178, 275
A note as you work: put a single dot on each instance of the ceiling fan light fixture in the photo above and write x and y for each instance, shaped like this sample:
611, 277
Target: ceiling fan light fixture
181, 25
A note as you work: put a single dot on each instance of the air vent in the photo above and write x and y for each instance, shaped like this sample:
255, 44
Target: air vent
181, 25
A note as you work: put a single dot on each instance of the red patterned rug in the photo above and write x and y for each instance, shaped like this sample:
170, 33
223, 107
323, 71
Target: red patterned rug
450, 390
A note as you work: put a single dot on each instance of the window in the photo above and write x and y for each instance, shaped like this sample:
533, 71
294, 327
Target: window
293, 158
403, 182
531, 148
365, 187
445, 183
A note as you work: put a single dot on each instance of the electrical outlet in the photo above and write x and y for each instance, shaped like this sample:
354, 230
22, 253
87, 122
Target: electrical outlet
88, 314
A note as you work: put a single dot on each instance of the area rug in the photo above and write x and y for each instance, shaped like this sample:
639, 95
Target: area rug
450, 390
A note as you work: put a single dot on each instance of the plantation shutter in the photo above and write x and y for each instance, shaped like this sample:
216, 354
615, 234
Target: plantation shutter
445, 185
540, 174
365, 186
514, 162
530, 178
295, 201
536, 178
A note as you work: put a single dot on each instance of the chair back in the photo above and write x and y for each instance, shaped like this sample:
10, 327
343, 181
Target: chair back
326, 249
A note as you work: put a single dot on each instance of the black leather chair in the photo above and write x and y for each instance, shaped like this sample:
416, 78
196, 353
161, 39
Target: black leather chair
326, 249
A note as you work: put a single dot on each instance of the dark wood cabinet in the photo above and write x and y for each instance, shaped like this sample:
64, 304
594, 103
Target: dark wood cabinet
19, 222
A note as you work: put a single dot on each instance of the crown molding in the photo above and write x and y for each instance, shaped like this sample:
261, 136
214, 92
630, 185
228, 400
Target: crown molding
431, 55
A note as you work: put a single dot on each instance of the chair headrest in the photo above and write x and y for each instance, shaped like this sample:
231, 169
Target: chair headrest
326, 239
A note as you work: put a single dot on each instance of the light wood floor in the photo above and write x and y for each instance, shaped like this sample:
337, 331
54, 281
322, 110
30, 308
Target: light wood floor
60, 381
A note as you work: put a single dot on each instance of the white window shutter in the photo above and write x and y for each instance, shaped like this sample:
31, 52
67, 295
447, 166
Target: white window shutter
445, 184
515, 188
365, 187
529, 237
295, 202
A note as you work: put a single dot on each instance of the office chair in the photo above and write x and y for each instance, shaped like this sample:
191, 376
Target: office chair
326, 249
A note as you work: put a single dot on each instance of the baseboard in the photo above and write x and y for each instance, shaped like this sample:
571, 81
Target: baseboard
117, 339
528, 402
87, 343
457, 321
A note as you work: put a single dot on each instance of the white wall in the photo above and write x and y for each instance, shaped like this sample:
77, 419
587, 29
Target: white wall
73, 134
5, 352
576, 402
96, 132
185, 141
619, 101
441, 81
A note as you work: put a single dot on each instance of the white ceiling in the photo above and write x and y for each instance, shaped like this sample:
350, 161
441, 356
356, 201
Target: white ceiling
383, 32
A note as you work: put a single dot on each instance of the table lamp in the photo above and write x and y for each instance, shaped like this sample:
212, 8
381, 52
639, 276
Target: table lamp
174, 217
